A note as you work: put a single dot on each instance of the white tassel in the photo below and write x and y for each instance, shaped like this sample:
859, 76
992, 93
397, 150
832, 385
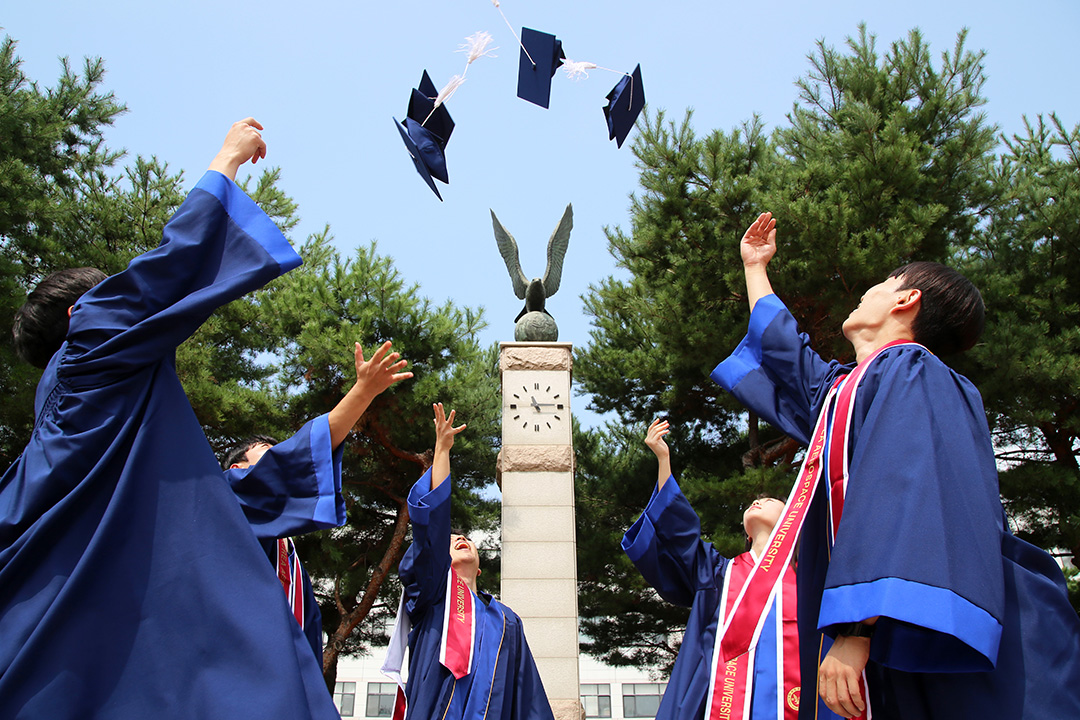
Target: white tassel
476, 46
575, 69
449, 89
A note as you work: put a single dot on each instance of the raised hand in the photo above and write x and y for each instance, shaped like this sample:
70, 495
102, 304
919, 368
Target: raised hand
243, 142
372, 377
444, 428
444, 440
759, 242
381, 371
654, 438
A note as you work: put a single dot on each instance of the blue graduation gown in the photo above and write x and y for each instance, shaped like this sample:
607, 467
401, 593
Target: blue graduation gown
665, 545
975, 623
294, 489
504, 683
129, 577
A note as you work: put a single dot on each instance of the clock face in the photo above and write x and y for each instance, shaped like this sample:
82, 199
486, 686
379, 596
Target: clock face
536, 407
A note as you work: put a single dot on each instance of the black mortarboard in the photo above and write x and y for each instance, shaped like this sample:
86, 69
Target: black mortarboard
425, 133
625, 102
534, 76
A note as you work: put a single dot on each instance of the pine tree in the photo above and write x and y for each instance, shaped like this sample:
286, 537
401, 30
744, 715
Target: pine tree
1027, 263
884, 159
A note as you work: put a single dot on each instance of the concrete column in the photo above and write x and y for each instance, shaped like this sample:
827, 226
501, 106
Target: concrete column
539, 547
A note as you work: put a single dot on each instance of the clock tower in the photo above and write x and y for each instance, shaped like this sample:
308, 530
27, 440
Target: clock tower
539, 548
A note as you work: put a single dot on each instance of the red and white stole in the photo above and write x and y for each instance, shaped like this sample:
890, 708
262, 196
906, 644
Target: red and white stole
459, 627
458, 637
288, 572
731, 683
742, 627
837, 461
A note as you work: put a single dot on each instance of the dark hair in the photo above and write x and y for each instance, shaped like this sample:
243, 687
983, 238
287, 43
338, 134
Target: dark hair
951, 313
238, 452
41, 324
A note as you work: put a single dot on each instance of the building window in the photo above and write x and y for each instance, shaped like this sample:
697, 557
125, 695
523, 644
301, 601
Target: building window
642, 700
380, 699
597, 700
345, 698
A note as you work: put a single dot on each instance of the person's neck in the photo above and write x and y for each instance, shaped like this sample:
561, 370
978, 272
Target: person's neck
760, 541
469, 576
866, 342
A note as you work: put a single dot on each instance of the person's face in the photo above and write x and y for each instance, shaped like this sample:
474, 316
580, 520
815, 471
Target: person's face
763, 514
252, 456
463, 551
874, 306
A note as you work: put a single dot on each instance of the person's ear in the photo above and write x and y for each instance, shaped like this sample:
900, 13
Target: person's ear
70, 308
478, 572
909, 299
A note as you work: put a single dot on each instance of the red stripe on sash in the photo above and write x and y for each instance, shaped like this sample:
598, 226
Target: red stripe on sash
732, 683
789, 665
297, 599
743, 625
288, 572
839, 434
839, 452
459, 627
731, 679
399, 704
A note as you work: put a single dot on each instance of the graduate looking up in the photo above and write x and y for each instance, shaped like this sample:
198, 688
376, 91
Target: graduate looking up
292, 488
468, 657
129, 576
913, 594
665, 544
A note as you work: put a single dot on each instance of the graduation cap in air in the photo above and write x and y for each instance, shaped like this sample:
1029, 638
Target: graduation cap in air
625, 102
541, 55
425, 131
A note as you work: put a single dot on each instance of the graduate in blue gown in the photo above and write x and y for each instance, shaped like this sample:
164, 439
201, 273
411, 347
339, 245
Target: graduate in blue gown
294, 487
964, 619
130, 580
503, 683
666, 546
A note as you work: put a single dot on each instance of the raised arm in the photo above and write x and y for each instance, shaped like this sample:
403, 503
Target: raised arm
372, 377
444, 440
218, 246
654, 438
243, 143
424, 568
757, 248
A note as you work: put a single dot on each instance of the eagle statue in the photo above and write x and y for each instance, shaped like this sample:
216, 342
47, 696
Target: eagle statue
534, 322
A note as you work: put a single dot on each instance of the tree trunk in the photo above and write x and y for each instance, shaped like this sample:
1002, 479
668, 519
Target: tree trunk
350, 619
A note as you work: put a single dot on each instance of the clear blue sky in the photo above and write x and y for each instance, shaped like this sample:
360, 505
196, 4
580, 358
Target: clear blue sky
325, 78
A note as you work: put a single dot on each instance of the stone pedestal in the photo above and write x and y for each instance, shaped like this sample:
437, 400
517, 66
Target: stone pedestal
539, 548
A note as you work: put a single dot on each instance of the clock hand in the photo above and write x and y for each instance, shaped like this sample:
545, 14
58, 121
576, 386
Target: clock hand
534, 403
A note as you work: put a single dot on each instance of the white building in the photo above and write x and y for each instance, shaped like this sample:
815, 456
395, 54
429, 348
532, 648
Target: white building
606, 692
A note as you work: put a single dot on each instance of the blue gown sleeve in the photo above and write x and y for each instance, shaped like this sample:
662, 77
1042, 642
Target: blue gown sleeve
666, 547
295, 488
775, 373
217, 247
424, 568
919, 542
